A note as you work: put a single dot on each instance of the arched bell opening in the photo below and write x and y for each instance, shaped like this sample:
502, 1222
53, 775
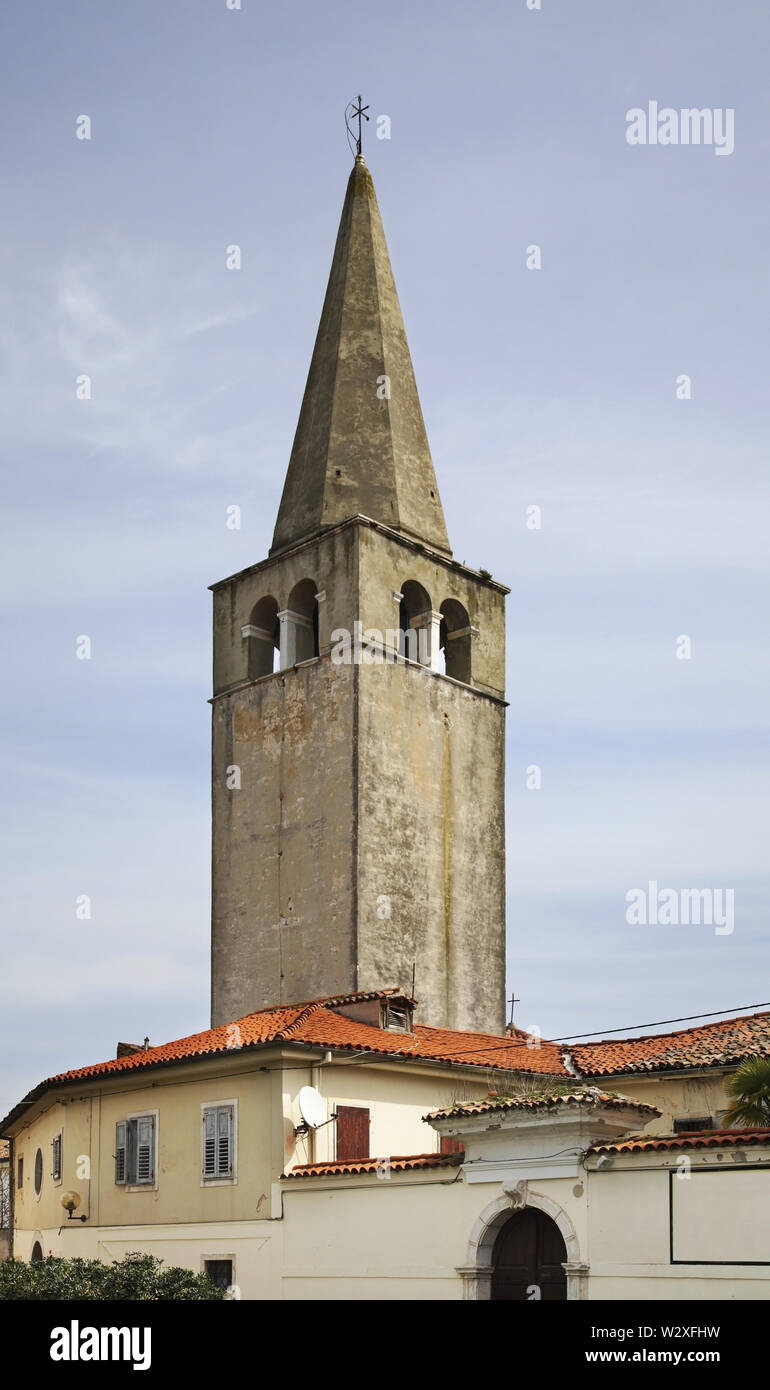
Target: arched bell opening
299, 625
455, 634
263, 636
418, 626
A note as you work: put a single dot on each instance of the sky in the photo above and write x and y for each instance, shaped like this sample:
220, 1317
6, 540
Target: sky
559, 388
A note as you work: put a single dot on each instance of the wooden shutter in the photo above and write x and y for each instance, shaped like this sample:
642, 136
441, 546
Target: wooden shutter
120, 1151
224, 1141
145, 1149
451, 1146
352, 1131
210, 1143
218, 1141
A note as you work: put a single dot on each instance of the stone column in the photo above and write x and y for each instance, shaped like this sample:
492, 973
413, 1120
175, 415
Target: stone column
477, 1282
428, 628
577, 1279
296, 638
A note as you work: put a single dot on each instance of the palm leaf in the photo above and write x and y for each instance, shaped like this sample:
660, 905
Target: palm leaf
749, 1089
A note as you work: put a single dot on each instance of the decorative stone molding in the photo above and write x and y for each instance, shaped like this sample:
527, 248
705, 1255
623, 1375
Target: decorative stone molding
517, 1195
476, 1273
577, 1279
477, 1282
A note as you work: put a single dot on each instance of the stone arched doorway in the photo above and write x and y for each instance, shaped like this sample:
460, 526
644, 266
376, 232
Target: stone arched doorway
528, 1259
476, 1273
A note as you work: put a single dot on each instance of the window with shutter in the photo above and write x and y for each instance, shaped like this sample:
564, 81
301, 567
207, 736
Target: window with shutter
120, 1151
218, 1141
135, 1150
145, 1148
209, 1143
451, 1146
352, 1131
56, 1160
224, 1141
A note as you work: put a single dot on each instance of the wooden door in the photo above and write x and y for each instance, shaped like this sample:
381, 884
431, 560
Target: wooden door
527, 1259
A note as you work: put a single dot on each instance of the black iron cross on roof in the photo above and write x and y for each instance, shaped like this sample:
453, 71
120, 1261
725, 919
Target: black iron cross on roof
358, 111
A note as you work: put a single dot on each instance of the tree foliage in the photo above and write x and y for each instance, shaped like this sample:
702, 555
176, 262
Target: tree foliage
137, 1278
749, 1090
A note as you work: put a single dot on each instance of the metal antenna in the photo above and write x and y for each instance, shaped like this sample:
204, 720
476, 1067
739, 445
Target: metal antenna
351, 112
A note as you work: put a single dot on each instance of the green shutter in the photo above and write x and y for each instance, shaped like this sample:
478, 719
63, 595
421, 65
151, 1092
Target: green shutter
224, 1141
120, 1151
209, 1143
145, 1149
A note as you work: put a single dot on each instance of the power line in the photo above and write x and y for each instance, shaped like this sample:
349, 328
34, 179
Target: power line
688, 1018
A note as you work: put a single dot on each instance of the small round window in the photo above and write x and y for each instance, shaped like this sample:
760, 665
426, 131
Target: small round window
37, 1253
38, 1171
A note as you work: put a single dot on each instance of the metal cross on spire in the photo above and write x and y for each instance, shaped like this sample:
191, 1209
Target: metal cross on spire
351, 112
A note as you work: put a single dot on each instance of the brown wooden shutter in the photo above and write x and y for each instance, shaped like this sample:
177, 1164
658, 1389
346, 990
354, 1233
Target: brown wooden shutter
352, 1131
451, 1146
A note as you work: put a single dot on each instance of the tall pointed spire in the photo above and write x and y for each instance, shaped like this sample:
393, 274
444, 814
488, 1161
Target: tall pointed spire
360, 445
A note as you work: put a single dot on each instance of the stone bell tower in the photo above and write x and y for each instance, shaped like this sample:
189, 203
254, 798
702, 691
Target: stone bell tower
358, 710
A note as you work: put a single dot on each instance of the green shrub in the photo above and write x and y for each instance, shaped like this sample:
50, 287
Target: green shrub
136, 1277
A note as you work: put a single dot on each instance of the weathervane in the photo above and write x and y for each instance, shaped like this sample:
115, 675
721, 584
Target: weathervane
351, 112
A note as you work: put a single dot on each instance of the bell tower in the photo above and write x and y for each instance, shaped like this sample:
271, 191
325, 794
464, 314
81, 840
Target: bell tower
358, 708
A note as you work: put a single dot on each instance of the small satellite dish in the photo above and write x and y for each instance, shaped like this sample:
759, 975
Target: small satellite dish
312, 1107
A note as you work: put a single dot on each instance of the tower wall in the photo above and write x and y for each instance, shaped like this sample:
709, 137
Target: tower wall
284, 883
366, 835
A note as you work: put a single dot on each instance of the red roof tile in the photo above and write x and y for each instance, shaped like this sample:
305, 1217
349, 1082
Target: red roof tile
588, 1095
694, 1139
373, 1165
316, 1024
709, 1045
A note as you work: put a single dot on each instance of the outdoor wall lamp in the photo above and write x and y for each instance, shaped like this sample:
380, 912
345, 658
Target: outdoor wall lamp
71, 1200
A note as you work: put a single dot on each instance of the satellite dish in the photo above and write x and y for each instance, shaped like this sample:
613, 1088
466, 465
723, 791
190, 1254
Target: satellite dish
312, 1107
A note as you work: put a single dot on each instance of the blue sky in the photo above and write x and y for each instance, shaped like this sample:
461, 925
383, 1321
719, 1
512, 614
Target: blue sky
554, 388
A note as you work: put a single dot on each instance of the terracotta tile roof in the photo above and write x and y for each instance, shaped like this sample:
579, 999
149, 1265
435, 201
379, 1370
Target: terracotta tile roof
316, 1024
372, 1165
695, 1139
587, 1095
709, 1045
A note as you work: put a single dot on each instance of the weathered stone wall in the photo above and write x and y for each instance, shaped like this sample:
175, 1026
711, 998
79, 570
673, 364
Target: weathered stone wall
367, 834
431, 864
283, 902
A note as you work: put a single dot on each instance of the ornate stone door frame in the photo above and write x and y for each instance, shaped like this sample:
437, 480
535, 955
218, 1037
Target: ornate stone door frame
476, 1273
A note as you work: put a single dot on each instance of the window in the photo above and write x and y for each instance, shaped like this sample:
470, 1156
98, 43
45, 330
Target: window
397, 1019
418, 626
699, 1122
135, 1150
456, 634
220, 1272
218, 1142
56, 1158
38, 1172
37, 1253
450, 1145
20, 1174
299, 625
263, 634
352, 1131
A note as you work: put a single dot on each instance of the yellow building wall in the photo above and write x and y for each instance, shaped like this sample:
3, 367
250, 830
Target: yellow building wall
677, 1097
